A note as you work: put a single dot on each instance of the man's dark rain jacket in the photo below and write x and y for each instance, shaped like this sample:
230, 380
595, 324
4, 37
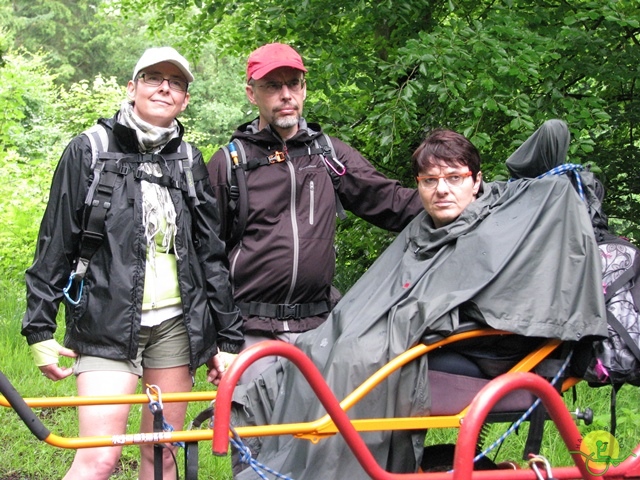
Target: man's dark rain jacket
287, 253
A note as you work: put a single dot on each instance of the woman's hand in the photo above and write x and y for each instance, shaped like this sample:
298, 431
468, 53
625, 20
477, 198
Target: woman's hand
219, 364
46, 355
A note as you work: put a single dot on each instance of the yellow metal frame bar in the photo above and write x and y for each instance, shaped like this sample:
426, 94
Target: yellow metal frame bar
112, 400
312, 431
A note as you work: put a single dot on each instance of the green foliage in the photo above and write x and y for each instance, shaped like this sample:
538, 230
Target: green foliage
494, 78
5, 41
491, 70
83, 103
40, 119
79, 40
381, 74
80, 105
218, 103
27, 97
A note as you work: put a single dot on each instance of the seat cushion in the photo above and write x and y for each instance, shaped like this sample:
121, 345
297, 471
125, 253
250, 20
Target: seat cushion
450, 393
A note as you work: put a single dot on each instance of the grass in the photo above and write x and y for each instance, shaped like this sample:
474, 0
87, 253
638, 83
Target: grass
553, 448
23, 457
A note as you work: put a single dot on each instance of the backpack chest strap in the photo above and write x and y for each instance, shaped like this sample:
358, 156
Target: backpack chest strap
284, 311
278, 157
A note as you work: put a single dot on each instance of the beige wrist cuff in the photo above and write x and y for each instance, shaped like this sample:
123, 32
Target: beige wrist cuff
46, 353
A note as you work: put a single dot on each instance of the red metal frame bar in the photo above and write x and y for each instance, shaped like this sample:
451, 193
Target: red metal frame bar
471, 420
467, 439
316, 381
501, 386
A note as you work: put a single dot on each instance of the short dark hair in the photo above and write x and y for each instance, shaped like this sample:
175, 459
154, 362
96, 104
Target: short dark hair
447, 148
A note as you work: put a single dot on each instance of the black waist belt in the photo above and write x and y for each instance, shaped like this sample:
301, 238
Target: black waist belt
284, 311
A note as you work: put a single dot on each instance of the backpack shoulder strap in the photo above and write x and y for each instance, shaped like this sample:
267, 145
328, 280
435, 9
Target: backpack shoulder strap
624, 334
97, 201
335, 168
236, 158
630, 276
186, 168
99, 141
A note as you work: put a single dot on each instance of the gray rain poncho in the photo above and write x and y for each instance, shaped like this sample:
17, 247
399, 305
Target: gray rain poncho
522, 258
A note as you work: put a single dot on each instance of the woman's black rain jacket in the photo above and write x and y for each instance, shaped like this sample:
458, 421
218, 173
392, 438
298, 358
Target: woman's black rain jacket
106, 321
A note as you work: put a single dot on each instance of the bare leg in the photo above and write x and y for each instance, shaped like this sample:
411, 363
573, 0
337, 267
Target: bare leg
98, 463
176, 379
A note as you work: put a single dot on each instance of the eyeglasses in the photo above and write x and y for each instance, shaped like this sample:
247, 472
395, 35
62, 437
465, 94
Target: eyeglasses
295, 86
452, 179
155, 80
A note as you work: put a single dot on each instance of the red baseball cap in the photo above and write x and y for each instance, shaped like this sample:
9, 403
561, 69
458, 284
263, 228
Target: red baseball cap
271, 56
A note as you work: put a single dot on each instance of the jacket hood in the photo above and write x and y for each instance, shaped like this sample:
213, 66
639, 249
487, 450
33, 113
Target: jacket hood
545, 149
250, 132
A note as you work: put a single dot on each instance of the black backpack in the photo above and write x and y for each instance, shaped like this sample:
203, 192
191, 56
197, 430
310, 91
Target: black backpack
107, 167
615, 360
238, 165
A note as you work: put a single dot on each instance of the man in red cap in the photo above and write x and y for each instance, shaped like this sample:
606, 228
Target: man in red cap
283, 260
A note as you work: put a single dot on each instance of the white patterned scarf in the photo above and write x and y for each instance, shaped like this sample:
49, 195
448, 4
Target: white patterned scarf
158, 211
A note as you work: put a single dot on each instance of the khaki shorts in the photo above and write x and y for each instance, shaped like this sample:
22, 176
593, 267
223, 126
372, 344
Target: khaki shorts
163, 346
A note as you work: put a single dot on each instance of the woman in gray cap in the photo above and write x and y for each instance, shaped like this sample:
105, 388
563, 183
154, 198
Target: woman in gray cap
128, 242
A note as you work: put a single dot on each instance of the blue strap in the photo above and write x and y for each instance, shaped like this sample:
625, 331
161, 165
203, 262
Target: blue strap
568, 167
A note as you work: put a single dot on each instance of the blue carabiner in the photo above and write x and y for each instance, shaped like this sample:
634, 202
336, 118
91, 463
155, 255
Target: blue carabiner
66, 289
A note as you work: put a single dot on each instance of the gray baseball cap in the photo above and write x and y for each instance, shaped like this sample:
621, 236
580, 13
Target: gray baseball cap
155, 55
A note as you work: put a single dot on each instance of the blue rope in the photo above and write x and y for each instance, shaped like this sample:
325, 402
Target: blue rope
166, 427
245, 457
525, 415
568, 167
